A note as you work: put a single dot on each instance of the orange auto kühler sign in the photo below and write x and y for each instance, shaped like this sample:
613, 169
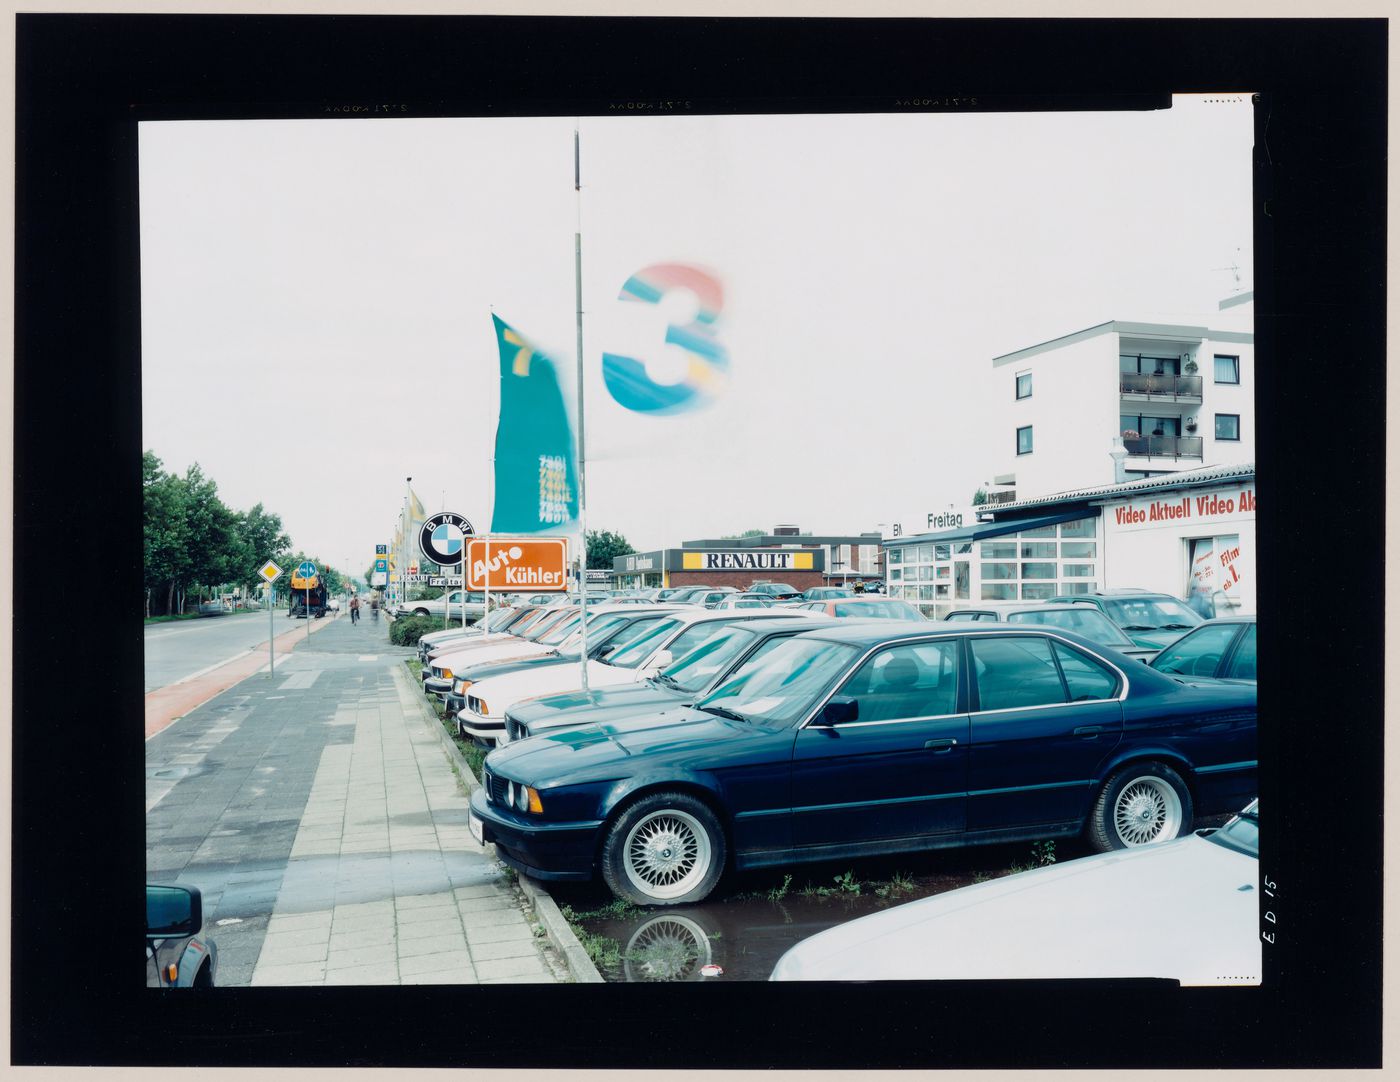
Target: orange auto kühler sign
538, 564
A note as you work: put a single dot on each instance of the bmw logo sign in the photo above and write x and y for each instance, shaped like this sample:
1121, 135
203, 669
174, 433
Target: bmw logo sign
441, 539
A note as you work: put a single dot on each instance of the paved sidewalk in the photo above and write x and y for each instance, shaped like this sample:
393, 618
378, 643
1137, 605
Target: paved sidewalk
319, 815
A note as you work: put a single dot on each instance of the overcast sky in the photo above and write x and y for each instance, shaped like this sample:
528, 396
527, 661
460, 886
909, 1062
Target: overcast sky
317, 298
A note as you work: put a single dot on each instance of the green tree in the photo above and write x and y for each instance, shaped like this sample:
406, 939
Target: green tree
603, 546
214, 548
262, 539
979, 497
166, 532
746, 533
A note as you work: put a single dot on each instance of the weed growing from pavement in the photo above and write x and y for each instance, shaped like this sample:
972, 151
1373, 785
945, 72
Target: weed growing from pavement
848, 883
617, 909
778, 893
602, 951
1043, 853
897, 884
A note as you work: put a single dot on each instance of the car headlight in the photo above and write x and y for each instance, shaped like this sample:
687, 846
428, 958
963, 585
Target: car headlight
510, 794
461, 686
522, 797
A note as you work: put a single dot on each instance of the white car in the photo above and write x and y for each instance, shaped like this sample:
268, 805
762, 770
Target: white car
450, 607
1187, 910
443, 666
498, 621
643, 656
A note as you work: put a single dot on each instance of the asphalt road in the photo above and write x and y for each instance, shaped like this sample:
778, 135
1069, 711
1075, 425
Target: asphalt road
183, 648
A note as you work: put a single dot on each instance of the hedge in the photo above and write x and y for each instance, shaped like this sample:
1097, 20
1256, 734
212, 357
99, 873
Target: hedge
407, 630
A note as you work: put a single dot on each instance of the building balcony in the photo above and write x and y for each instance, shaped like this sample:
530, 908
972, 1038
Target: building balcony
1173, 387
1173, 447
1001, 497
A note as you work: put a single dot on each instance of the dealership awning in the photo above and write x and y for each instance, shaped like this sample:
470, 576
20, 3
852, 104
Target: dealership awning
980, 530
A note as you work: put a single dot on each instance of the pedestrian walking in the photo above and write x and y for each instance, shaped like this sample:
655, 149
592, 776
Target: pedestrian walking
374, 609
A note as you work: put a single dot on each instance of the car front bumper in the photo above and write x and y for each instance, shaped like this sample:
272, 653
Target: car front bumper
483, 728
437, 685
543, 850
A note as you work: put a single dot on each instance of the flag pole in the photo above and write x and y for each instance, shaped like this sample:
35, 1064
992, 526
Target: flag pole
582, 487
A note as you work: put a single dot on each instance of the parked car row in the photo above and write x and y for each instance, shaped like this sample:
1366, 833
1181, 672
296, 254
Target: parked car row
738, 739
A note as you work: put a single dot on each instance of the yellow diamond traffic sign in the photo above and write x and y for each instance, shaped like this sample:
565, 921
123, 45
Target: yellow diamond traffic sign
270, 571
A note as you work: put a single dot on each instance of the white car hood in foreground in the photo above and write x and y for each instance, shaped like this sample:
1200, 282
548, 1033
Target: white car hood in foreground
484, 653
499, 692
1186, 910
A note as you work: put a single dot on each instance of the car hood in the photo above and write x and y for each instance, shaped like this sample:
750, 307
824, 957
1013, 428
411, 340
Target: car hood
485, 652
582, 708
557, 756
500, 692
1187, 910
453, 646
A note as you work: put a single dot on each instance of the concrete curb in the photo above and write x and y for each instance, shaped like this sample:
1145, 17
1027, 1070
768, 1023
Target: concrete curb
546, 911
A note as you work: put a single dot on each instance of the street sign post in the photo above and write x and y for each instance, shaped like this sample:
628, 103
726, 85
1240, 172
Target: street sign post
270, 573
306, 571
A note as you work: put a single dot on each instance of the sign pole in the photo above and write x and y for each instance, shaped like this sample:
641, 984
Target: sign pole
582, 488
271, 632
308, 614
486, 603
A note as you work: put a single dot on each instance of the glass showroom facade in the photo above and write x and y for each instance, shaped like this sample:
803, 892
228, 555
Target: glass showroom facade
996, 563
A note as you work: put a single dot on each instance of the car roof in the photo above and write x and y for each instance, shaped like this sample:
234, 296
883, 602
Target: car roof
874, 632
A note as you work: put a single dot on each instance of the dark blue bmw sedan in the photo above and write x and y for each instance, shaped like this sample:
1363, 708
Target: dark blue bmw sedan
859, 740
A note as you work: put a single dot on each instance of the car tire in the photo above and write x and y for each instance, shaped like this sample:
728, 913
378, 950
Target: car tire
664, 849
1142, 804
420, 612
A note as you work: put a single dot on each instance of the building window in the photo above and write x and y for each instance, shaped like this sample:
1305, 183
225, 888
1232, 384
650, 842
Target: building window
1074, 571
1227, 369
1037, 591
1024, 443
1079, 549
1083, 527
1037, 550
896, 556
998, 550
998, 591
1023, 385
1227, 426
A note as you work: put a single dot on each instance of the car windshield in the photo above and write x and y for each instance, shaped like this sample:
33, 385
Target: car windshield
641, 646
602, 630
1083, 620
1240, 833
885, 610
785, 684
542, 627
1150, 613
502, 618
701, 658
561, 630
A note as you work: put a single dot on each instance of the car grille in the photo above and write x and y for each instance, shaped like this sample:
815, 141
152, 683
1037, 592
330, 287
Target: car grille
514, 729
495, 787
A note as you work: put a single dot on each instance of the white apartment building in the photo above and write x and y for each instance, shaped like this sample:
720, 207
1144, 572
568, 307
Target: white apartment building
1123, 401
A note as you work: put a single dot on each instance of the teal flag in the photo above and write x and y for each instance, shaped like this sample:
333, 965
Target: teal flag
536, 468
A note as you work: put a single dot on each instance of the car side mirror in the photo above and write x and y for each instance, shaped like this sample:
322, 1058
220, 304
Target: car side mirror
840, 709
606, 652
173, 912
662, 660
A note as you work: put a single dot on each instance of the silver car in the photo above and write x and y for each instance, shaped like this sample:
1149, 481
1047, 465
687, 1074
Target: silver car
178, 954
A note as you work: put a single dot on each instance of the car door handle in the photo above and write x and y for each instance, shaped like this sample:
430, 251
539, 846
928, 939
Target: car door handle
1090, 731
941, 745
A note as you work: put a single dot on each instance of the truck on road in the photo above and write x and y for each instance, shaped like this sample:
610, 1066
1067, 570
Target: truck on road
307, 592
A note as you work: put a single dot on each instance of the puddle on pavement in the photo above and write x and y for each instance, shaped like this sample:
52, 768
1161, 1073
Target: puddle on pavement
753, 920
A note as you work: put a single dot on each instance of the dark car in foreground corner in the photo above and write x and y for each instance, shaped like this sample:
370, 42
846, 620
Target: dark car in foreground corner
178, 954
1186, 910
1222, 649
862, 739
